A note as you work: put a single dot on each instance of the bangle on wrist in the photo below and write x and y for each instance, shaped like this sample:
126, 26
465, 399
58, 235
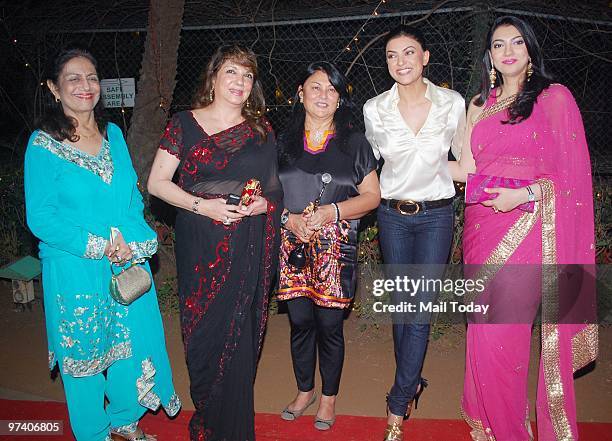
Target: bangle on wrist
195, 205
530, 194
337, 211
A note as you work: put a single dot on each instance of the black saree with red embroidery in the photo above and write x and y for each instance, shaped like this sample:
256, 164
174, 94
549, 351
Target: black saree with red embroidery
225, 272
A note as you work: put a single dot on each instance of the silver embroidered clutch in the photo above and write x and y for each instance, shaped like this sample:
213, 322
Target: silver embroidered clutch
130, 284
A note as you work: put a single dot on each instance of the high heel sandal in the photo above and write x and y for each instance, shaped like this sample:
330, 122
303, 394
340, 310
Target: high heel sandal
422, 385
394, 432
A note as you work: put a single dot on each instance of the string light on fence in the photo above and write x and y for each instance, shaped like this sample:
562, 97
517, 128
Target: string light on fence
355, 38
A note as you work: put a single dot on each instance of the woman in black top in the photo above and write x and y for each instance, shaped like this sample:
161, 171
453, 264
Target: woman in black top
320, 141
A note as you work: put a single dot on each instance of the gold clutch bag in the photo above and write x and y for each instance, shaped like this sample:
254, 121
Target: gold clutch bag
130, 284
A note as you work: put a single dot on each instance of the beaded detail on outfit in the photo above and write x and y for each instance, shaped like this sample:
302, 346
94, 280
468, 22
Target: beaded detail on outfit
101, 164
497, 107
95, 247
149, 399
143, 250
83, 329
316, 141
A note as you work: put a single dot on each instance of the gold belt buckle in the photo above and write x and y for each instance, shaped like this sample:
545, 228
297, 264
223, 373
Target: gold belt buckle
408, 202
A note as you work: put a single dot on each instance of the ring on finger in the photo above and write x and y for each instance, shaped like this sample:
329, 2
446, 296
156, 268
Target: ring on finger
496, 210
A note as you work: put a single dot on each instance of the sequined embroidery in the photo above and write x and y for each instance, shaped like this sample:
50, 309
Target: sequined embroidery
95, 247
213, 274
83, 368
479, 433
144, 385
173, 406
149, 399
127, 429
269, 249
143, 250
495, 108
100, 165
550, 305
584, 347
92, 334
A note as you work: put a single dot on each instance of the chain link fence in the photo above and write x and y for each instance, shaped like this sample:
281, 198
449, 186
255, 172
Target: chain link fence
577, 52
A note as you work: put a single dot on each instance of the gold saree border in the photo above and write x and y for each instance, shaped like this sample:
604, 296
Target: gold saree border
550, 311
495, 108
505, 248
585, 346
477, 426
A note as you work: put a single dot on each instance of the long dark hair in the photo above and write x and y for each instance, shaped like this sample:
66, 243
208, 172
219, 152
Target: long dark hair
291, 139
540, 79
404, 30
247, 58
53, 120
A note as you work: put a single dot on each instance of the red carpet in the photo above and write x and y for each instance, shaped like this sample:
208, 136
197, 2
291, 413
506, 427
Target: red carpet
271, 428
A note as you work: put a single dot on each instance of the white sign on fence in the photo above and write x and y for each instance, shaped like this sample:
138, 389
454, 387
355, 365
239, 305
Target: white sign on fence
113, 92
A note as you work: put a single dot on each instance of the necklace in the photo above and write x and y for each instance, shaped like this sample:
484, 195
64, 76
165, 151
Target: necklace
318, 135
316, 144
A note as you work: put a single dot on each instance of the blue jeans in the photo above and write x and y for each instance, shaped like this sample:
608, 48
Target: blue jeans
423, 238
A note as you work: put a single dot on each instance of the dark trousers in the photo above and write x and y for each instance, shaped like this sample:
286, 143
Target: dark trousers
315, 327
424, 238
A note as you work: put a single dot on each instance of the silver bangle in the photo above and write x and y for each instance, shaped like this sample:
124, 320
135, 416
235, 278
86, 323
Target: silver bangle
530, 195
337, 212
194, 206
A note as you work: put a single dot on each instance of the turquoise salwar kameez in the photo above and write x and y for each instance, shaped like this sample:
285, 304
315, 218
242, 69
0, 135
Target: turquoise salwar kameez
103, 349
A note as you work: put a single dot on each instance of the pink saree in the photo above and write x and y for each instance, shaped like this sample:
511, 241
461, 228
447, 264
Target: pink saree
549, 146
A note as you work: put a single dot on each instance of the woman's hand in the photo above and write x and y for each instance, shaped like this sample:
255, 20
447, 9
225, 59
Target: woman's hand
507, 198
118, 252
322, 216
218, 210
258, 206
298, 226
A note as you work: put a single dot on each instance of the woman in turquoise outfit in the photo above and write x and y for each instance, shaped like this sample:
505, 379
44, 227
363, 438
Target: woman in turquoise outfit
80, 183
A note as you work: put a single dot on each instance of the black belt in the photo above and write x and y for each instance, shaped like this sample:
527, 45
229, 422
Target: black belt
409, 207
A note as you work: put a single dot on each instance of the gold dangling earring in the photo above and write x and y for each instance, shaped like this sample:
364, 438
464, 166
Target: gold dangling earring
492, 76
211, 95
529, 70
247, 104
338, 104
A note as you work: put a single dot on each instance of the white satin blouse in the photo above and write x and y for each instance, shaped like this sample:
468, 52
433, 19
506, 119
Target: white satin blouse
416, 165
